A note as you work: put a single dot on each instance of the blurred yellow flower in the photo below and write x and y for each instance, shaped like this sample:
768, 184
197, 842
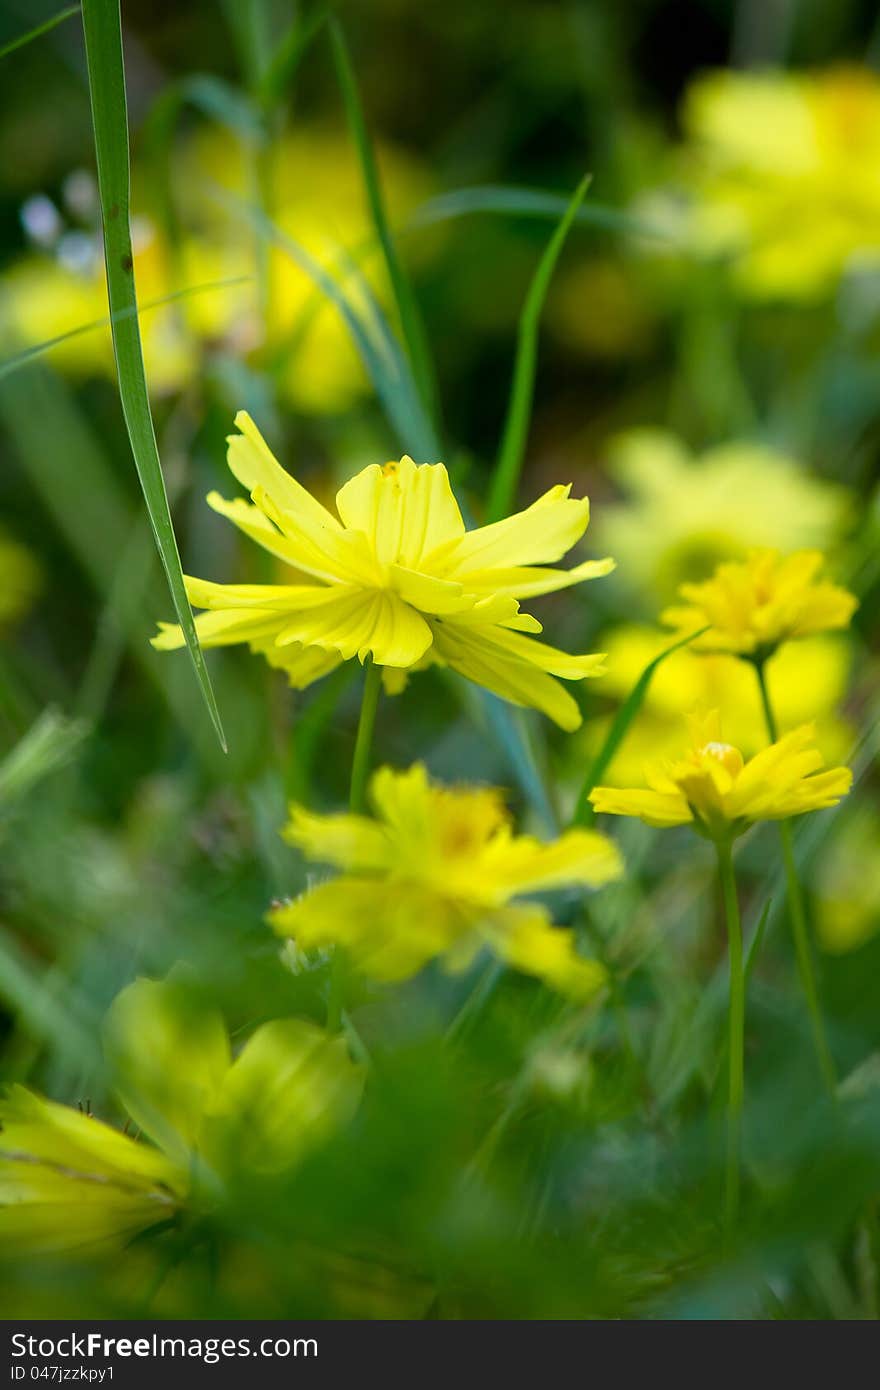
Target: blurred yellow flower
685, 513
318, 200
846, 890
432, 875
752, 607
19, 580
714, 789
396, 578
786, 172
807, 681
69, 1182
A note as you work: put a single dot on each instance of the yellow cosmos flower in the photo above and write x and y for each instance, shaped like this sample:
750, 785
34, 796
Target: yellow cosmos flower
685, 513
713, 788
434, 874
806, 679
753, 607
69, 1182
396, 577
784, 167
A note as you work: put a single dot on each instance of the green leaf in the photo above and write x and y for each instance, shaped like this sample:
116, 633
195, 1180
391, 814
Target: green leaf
529, 202
757, 939
584, 813
103, 39
49, 744
513, 442
407, 308
287, 55
39, 30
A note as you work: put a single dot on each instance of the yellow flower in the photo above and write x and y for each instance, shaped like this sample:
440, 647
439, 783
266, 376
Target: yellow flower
434, 874
70, 1182
713, 788
785, 172
317, 199
396, 577
19, 580
847, 884
684, 513
807, 681
754, 606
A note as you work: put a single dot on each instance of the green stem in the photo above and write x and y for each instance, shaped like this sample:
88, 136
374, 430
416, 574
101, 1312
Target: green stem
360, 771
797, 915
736, 1033
360, 767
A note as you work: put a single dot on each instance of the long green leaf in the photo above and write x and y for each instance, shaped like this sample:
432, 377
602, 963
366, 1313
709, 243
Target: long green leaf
529, 202
38, 31
410, 318
513, 441
29, 354
287, 55
584, 813
103, 39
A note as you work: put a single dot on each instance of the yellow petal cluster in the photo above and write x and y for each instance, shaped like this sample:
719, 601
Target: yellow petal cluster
685, 513
395, 576
69, 1181
785, 171
752, 607
713, 788
436, 872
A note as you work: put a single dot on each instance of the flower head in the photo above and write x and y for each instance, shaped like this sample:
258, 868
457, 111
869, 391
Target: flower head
396, 576
70, 1182
754, 606
435, 872
783, 169
686, 513
713, 788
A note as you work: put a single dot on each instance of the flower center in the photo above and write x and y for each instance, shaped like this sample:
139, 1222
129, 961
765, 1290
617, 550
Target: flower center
724, 753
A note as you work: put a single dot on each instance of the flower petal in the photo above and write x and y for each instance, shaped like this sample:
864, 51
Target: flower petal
541, 534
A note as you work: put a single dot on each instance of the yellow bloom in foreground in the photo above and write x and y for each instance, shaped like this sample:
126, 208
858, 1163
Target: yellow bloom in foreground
753, 607
686, 513
69, 1182
396, 577
714, 789
434, 874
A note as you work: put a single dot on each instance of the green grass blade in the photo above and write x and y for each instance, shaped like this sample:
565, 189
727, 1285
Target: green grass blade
103, 39
29, 354
519, 411
757, 939
49, 744
529, 202
286, 57
38, 31
584, 813
411, 324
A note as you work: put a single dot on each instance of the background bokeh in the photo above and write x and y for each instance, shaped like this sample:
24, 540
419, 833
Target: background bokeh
541, 1164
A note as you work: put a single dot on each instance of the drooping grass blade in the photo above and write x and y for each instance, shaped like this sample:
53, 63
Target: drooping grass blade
103, 39
530, 202
584, 813
513, 441
38, 31
29, 354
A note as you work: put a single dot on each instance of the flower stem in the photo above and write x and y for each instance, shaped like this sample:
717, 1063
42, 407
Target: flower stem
360, 771
736, 1033
798, 916
360, 767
